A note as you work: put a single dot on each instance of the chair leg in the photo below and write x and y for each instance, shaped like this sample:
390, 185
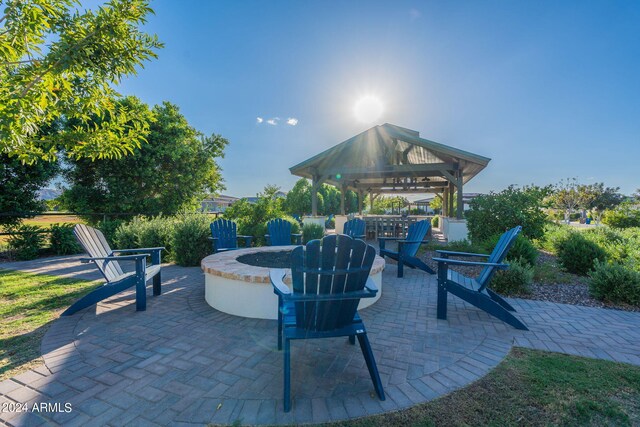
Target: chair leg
157, 279
280, 325
141, 294
352, 339
497, 298
400, 267
442, 301
287, 375
371, 364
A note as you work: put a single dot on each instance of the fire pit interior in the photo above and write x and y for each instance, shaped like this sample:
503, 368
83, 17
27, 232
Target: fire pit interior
281, 259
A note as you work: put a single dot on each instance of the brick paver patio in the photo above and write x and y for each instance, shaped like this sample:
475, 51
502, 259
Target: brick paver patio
181, 362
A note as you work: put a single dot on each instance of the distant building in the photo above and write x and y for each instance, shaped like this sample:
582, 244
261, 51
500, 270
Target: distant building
279, 194
466, 198
217, 203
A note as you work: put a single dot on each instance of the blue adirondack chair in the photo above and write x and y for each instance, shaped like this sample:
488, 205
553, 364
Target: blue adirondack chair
354, 228
280, 233
93, 241
408, 248
224, 237
329, 277
475, 291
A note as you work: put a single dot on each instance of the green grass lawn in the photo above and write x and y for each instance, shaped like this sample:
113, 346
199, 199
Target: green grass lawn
533, 388
28, 304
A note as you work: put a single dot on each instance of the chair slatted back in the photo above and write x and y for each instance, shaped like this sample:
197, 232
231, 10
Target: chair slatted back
498, 254
279, 232
94, 243
225, 231
343, 265
354, 227
417, 232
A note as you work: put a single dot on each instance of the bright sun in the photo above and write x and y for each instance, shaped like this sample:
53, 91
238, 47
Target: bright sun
368, 109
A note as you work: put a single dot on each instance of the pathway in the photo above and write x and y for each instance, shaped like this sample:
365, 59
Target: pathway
183, 363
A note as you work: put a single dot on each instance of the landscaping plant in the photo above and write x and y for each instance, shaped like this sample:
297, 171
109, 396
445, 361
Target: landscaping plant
312, 232
516, 280
615, 283
63, 241
190, 241
577, 254
27, 242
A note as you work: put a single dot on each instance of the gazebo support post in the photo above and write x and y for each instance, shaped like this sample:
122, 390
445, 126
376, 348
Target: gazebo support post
451, 191
460, 210
360, 199
343, 190
445, 203
314, 196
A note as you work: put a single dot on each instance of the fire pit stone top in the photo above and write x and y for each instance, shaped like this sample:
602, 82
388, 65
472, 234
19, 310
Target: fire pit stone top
225, 264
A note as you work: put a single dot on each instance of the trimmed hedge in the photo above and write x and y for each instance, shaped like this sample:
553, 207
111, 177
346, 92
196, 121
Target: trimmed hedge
577, 254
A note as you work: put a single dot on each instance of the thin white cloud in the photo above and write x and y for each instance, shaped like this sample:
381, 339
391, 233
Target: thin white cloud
274, 121
292, 121
259, 120
415, 14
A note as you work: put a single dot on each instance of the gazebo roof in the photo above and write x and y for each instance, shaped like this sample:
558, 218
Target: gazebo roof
391, 159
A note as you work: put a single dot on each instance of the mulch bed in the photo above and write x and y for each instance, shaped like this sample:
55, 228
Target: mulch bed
574, 291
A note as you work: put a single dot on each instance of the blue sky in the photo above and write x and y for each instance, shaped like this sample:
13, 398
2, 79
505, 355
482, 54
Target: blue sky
546, 89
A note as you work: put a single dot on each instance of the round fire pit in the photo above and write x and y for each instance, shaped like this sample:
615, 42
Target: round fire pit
237, 282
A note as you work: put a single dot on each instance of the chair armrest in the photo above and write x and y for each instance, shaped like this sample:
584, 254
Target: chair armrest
412, 241
360, 236
279, 287
329, 297
471, 263
113, 258
466, 254
159, 248
155, 253
247, 240
388, 238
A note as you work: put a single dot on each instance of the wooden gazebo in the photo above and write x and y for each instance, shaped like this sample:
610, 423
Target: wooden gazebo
390, 159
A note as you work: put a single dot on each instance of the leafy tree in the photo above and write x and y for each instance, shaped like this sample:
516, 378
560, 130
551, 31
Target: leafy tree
636, 195
59, 63
566, 197
493, 213
382, 204
298, 201
173, 171
19, 185
252, 217
599, 198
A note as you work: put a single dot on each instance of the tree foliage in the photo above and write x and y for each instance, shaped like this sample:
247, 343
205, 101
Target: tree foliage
494, 213
298, 201
59, 63
173, 171
19, 185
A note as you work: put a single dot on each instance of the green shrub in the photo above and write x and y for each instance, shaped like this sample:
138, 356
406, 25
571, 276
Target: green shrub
435, 221
109, 227
615, 283
190, 239
521, 249
516, 280
27, 244
577, 254
493, 213
312, 232
553, 235
624, 215
63, 241
143, 232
